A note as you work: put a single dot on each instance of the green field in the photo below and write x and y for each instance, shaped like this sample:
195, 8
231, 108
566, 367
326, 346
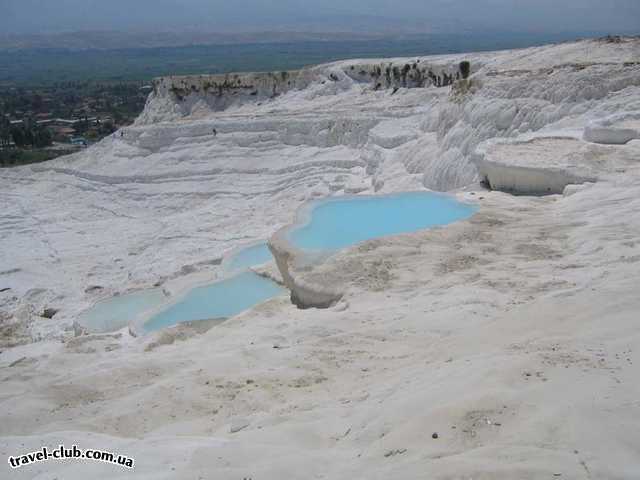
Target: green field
15, 157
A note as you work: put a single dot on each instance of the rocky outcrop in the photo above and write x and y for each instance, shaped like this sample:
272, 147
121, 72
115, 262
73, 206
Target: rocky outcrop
615, 129
185, 95
540, 166
293, 265
49, 312
406, 74
221, 91
528, 180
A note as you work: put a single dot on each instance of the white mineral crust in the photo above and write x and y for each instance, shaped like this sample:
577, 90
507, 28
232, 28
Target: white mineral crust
514, 335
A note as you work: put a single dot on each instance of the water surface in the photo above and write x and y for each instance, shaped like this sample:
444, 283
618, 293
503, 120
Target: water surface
249, 257
117, 312
338, 223
332, 224
222, 299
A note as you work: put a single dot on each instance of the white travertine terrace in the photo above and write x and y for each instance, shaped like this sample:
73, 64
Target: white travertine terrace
513, 335
539, 166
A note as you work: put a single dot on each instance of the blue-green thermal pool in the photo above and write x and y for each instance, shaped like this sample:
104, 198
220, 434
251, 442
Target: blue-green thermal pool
327, 225
249, 257
117, 312
222, 299
337, 223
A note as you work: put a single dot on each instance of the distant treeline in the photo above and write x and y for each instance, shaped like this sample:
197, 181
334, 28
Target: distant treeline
14, 157
27, 134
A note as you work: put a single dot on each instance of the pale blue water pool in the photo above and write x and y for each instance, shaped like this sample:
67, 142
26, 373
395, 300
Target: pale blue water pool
116, 313
249, 257
332, 224
222, 299
338, 223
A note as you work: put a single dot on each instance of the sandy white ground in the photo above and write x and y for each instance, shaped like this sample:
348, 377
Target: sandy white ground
513, 335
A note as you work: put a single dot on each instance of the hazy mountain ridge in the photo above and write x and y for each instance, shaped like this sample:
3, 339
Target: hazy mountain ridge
106, 40
363, 29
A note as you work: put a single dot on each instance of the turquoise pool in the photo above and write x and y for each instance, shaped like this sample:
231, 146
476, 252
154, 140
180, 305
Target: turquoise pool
222, 299
249, 257
329, 225
339, 222
116, 313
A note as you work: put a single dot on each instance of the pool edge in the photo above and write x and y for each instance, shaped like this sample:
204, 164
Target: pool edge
292, 262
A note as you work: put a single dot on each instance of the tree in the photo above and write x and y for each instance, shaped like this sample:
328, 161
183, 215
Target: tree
82, 126
41, 137
17, 133
465, 69
107, 128
5, 130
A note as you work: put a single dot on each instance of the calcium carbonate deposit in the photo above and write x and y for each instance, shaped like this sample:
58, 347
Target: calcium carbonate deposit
502, 346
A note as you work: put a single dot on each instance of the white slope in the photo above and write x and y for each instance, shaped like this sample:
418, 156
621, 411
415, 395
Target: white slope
513, 335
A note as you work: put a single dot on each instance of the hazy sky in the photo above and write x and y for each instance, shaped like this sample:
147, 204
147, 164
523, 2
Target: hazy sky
44, 16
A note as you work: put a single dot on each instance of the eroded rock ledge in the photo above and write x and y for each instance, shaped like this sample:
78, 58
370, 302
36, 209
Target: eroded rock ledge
219, 92
544, 165
614, 130
295, 268
539, 166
